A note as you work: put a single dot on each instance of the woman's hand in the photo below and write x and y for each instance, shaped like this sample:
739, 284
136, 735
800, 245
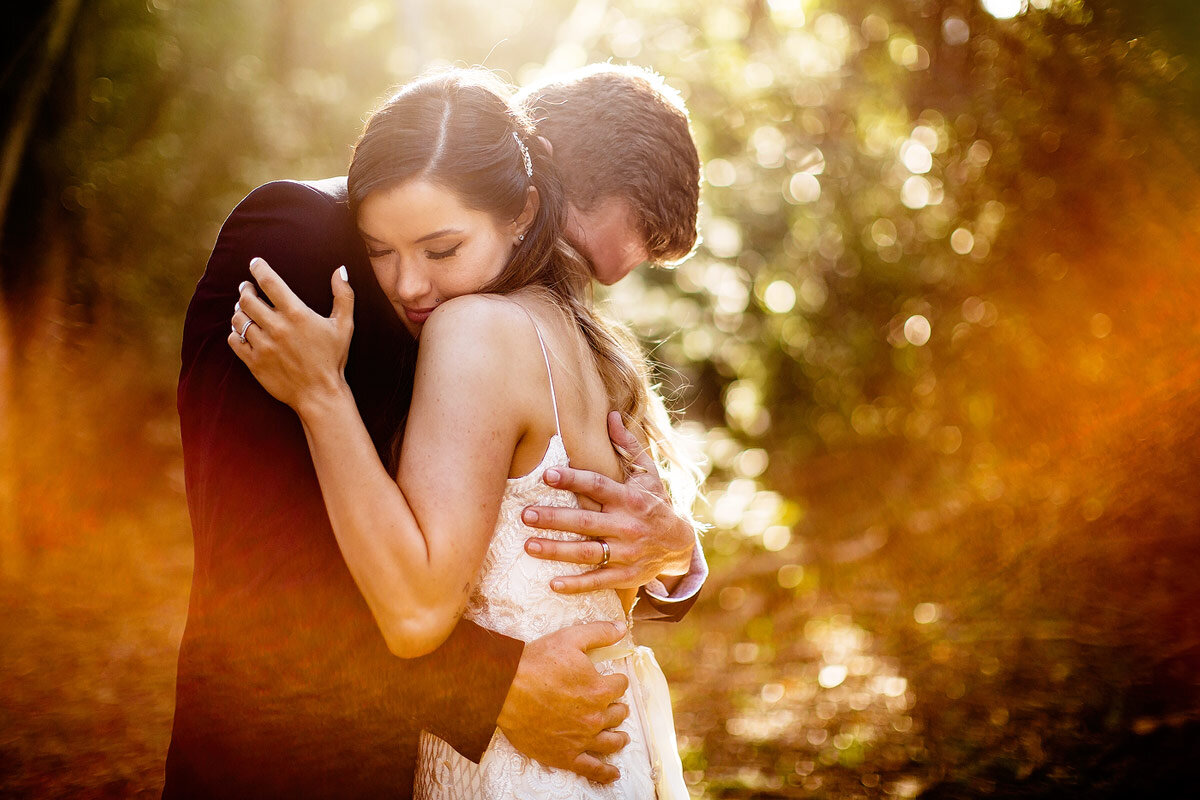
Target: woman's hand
646, 539
295, 353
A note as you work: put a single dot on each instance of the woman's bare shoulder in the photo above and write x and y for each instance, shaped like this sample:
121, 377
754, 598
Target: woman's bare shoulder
488, 335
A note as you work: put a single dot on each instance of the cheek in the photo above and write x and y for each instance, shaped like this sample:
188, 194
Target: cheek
494, 260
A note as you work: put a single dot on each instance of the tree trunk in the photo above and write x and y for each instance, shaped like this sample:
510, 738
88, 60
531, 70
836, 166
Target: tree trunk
16, 139
29, 101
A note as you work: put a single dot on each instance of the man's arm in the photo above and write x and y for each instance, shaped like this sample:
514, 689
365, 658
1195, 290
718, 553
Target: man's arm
248, 466
649, 544
251, 478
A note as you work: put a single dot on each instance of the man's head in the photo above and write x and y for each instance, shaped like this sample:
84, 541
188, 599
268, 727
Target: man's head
628, 164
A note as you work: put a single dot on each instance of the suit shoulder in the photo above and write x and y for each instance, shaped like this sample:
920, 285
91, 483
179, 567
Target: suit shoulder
313, 197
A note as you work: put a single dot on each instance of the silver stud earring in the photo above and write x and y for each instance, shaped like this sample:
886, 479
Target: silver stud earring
520, 237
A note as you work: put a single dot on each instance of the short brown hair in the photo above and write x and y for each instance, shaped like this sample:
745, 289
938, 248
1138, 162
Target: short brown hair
621, 131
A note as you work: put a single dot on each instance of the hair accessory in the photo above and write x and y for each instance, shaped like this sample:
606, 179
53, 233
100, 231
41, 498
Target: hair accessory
524, 155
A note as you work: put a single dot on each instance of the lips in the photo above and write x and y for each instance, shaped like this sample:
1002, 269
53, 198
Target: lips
417, 316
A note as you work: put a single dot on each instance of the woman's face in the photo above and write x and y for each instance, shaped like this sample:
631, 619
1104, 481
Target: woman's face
427, 247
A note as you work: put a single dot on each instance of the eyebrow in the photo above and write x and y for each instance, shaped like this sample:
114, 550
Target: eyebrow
425, 238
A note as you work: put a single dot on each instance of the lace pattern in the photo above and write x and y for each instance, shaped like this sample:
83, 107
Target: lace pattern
512, 596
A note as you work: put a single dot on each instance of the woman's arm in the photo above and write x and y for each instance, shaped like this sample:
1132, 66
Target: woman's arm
413, 544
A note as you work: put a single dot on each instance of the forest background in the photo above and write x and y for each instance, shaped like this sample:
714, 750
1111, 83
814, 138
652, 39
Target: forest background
938, 345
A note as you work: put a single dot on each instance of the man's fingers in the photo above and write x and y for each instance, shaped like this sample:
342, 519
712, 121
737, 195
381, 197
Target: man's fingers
601, 488
615, 715
592, 768
609, 742
644, 470
620, 436
626, 442
589, 552
595, 580
615, 685
575, 520
279, 293
589, 636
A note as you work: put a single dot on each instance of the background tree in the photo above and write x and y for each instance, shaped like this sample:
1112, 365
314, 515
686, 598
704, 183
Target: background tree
937, 346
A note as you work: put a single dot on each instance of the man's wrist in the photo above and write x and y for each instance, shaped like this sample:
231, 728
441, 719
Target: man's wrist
668, 588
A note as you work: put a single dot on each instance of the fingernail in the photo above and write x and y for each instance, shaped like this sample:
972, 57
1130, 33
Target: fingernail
530, 515
533, 546
556, 585
242, 286
553, 476
237, 306
345, 275
255, 262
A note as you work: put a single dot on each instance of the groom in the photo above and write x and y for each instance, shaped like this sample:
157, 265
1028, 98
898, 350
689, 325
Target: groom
285, 685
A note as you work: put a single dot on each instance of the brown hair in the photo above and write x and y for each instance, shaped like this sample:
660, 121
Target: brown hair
459, 129
621, 131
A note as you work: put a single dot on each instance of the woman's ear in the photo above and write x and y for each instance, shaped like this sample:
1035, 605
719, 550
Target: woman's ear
525, 218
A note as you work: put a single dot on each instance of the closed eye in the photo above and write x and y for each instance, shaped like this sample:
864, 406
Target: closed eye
440, 254
377, 253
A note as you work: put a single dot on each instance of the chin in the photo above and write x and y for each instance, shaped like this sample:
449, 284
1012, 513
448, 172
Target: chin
609, 275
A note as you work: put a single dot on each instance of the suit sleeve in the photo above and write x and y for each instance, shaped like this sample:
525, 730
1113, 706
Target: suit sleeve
255, 500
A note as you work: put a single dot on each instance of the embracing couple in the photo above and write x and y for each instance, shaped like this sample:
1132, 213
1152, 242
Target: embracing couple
416, 567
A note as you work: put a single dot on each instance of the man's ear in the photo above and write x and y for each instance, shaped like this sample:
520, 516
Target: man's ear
525, 218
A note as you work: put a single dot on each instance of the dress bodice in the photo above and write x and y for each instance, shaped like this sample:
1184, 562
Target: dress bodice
513, 595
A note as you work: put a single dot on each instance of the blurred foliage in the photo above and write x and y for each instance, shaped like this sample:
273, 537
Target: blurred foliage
937, 346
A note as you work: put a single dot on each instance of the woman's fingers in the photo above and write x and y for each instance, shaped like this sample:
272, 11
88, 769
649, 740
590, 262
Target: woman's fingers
343, 299
244, 327
241, 349
253, 306
274, 287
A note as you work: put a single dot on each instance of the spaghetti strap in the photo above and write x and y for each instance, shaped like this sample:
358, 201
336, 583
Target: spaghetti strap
549, 374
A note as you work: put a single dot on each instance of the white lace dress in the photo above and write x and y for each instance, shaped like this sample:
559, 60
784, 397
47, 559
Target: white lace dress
512, 596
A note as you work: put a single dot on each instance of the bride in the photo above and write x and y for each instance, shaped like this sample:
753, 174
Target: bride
458, 203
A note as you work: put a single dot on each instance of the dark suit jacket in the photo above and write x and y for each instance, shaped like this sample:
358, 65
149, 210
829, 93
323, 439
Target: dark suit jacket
285, 686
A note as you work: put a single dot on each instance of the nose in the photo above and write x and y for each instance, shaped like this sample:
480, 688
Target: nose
411, 285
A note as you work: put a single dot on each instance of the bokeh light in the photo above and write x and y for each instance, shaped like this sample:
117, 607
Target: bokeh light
936, 346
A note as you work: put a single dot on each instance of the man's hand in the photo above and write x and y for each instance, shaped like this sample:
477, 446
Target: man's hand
559, 708
646, 538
